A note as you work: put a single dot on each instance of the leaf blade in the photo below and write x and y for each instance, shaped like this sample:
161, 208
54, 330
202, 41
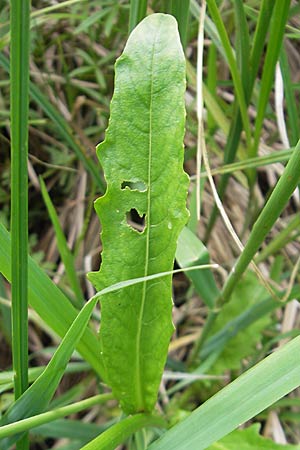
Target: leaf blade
147, 113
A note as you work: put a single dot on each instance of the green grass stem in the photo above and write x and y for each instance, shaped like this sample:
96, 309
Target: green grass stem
19, 70
50, 416
270, 213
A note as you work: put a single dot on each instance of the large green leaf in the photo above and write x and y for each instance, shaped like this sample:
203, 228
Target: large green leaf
142, 157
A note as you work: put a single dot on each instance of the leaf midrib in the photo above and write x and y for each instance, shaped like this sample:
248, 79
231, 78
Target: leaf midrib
140, 400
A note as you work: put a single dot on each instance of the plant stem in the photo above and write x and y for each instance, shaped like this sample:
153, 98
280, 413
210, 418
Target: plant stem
270, 213
49, 416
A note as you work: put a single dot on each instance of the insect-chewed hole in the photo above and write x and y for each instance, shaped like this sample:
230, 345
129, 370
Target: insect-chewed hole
134, 185
136, 221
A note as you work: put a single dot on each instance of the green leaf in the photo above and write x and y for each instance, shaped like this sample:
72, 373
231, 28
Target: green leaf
142, 157
249, 439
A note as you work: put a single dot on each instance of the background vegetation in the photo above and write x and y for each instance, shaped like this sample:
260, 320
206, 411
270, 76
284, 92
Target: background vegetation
251, 122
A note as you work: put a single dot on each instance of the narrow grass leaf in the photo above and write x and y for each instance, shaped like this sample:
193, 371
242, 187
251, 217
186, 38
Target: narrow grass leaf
19, 73
261, 30
64, 251
39, 394
244, 398
242, 40
49, 416
277, 27
233, 139
215, 14
19, 106
147, 113
291, 105
138, 9
180, 10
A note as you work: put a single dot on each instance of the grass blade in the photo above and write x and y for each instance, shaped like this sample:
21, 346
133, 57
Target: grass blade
138, 9
251, 393
215, 14
263, 22
242, 43
236, 127
49, 416
277, 27
65, 253
180, 10
19, 71
290, 98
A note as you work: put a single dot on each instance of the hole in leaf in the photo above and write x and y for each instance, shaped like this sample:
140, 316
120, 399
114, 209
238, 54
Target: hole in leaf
136, 221
134, 185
